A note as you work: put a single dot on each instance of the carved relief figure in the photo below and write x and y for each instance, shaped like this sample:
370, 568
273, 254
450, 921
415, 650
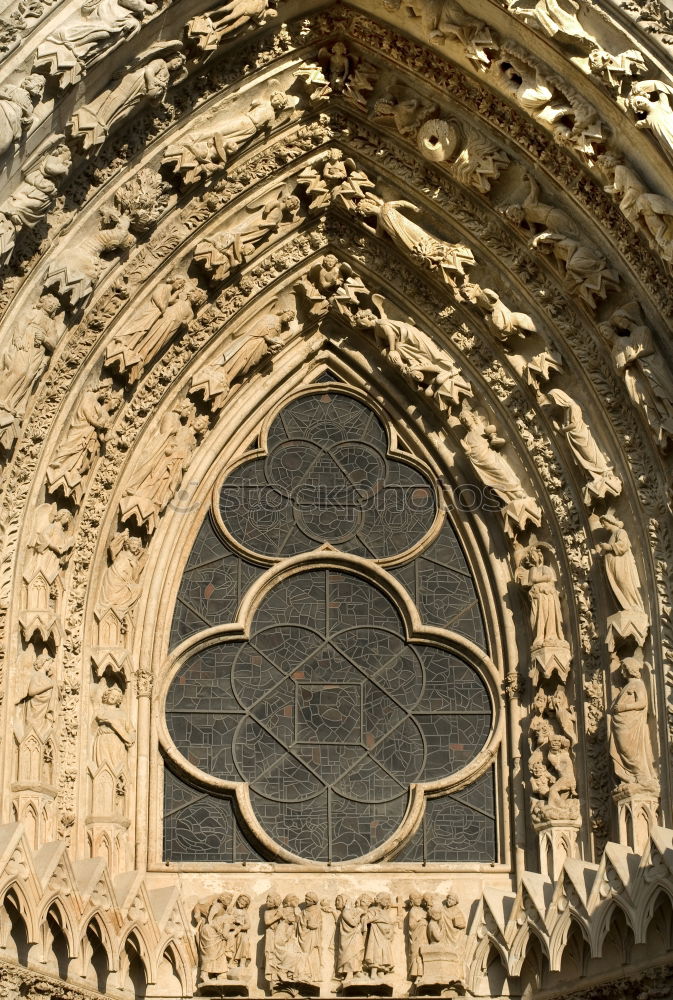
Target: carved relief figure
416, 355
480, 444
208, 30
642, 208
272, 916
69, 51
380, 920
93, 122
506, 322
350, 949
449, 258
638, 361
555, 785
452, 21
323, 281
630, 745
16, 109
650, 101
48, 548
624, 580
198, 156
446, 941
114, 736
120, 586
586, 271
215, 380
550, 650
37, 705
603, 480
226, 250
417, 929
34, 197
81, 442
309, 933
158, 472
532, 91
555, 18
170, 308
214, 936
23, 361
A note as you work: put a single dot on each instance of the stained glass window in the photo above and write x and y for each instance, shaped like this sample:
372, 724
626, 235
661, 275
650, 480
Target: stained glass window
327, 711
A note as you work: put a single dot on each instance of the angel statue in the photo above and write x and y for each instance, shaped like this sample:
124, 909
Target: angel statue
416, 355
549, 650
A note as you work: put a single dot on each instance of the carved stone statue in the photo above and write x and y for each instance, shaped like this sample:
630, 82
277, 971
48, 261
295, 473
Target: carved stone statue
622, 572
114, 736
215, 381
603, 481
23, 361
630, 745
449, 259
554, 785
170, 308
555, 18
653, 212
380, 921
35, 196
222, 23
650, 101
214, 936
322, 283
586, 271
68, 52
443, 953
93, 122
157, 474
120, 586
452, 21
506, 322
549, 650
81, 442
309, 934
226, 250
350, 945
417, 930
16, 109
272, 917
285, 960
50, 543
480, 444
638, 361
197, 156
532, 91
416, 355
37, 705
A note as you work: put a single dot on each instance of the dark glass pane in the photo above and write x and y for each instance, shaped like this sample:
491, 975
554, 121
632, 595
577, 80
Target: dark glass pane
212, 585
201, 827
441, 585
329, 713
460, 827
327, 478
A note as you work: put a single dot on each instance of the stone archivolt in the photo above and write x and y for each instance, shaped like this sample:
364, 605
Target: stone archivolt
468, 227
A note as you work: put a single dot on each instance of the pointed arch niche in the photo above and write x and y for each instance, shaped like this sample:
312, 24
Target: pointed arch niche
385, 741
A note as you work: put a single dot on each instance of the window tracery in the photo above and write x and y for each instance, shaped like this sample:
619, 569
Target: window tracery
327, 708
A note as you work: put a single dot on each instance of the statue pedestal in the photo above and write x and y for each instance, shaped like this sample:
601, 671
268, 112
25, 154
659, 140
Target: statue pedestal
637, 810
366, 987
222, 986
557, 840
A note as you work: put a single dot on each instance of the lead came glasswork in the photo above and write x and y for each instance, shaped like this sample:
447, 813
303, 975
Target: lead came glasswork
328, 712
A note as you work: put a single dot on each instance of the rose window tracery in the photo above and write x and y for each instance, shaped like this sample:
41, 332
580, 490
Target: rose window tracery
328, 710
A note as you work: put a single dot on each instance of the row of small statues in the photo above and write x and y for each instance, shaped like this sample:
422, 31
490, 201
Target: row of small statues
299, 938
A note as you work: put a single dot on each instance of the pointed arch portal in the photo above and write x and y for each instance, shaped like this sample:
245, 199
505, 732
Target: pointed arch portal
336, 410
